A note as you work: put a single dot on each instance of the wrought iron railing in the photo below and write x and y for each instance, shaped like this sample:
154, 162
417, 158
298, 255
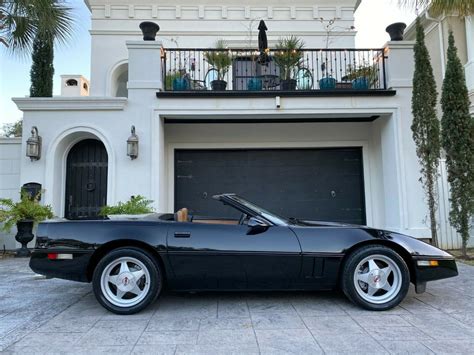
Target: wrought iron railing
234, 69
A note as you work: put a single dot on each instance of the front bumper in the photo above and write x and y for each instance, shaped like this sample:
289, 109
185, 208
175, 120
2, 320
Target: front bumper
74, 269
446, 268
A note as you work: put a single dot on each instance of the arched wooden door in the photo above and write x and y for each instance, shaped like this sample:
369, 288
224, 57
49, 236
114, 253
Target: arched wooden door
86, 180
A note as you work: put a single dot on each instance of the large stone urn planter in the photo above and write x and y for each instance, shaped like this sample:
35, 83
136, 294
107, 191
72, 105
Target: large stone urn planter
24, 235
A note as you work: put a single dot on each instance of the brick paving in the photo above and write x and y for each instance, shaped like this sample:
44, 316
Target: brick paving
60, 317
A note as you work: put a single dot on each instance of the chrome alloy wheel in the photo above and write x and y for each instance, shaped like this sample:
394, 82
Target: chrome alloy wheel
125, 282
377, 279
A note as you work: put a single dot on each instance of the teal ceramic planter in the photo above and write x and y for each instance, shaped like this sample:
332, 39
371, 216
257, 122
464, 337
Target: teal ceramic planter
360, 83
327, 83
180, 84
255, 84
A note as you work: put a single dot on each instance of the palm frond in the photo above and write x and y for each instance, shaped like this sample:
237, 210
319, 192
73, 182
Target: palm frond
22, 20
438, 7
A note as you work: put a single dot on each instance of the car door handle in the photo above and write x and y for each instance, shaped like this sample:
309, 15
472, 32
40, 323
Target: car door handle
182, 234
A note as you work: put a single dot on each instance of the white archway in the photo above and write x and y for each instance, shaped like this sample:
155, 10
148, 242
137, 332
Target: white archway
118, 78
55, 179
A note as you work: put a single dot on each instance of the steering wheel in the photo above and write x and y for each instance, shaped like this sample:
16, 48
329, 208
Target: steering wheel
242, 219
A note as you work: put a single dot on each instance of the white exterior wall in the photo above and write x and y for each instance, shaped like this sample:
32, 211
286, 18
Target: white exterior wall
10, 156
199, 26
394, 197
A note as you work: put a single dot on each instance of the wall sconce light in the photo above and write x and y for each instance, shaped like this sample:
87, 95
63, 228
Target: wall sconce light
33, 145
132, 144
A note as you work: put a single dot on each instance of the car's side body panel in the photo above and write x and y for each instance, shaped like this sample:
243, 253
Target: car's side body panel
227, 257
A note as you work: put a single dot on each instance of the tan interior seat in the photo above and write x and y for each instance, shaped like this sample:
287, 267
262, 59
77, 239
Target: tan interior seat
185, 214
181, 215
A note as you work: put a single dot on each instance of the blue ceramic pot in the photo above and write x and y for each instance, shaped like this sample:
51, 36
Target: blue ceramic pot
327, 83
180, 84
360, 83
254, 84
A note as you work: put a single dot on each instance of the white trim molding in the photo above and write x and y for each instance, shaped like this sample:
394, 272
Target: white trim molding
89, 103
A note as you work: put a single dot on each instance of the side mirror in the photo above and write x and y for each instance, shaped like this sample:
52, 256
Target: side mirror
256, 226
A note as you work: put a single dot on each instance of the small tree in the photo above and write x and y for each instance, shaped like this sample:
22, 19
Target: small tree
458, 142
425, 125
42, 69
13, 129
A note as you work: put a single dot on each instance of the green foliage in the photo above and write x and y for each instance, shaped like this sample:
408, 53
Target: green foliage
13, 129
136, 205
288, 54
438, 7
22, 20
425, 125
169, 79
220, 59
26, 209
458, 142
42, 69
368, 71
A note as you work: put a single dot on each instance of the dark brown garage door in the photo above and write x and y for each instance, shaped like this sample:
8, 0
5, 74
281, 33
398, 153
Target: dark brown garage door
320, 184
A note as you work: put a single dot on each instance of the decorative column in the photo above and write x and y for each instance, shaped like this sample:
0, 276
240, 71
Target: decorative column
144, 68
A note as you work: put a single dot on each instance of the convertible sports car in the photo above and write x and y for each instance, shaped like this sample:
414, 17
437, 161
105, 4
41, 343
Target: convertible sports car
130, 261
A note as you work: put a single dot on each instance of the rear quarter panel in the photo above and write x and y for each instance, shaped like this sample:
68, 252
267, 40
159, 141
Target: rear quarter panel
88, 239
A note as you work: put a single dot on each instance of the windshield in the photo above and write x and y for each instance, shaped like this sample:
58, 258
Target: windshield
272, 217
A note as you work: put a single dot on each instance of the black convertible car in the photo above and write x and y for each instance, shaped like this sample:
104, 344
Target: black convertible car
130, 261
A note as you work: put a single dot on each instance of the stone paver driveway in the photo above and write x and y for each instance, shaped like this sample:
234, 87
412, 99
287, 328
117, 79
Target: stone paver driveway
56, 316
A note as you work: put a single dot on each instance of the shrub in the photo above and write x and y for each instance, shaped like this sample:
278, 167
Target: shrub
136, 205
26, 209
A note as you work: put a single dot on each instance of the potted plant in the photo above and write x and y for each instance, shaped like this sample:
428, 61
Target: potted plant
288, 54
362, 77
24, 214
220, 59
327, 81
137, 207
179, 80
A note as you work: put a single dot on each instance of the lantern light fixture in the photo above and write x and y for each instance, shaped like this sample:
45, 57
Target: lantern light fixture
132, 144
33, 145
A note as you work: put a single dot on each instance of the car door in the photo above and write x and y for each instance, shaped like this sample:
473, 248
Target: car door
222, 256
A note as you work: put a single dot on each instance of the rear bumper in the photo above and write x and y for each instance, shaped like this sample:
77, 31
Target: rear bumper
74, 269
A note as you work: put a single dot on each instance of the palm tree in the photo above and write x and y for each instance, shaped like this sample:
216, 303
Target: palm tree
21, 21
438, 7
32, 27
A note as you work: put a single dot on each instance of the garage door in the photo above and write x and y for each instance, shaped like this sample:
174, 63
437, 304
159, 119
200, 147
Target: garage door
320, 184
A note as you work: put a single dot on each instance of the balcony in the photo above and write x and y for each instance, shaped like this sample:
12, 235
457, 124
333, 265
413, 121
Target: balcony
188, 72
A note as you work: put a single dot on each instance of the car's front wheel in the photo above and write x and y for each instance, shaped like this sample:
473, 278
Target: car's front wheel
375, 277
127, 280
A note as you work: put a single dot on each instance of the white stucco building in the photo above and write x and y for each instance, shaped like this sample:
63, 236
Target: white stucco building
343, 154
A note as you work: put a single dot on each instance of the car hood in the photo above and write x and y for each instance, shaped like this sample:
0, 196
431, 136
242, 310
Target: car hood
361, 233
309, 223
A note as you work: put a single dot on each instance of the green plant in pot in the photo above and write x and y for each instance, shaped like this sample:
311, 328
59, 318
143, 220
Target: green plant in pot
288, 55
24, 214
362, 76
327, 82
177, 80
138, 206
221, 60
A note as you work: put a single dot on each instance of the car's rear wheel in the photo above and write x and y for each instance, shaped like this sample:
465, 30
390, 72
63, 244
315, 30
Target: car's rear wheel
127, 280
375, 277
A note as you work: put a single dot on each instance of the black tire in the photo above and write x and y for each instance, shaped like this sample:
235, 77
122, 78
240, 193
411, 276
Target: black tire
354, 292
154, 285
